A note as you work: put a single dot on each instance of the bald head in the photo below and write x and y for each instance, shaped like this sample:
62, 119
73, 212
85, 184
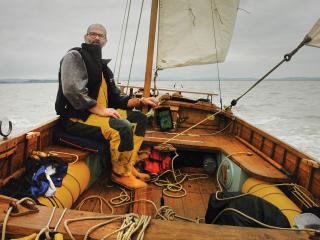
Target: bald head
96, 34
97, 26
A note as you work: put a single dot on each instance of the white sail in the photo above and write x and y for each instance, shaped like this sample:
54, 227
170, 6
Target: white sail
315, 35
194, 32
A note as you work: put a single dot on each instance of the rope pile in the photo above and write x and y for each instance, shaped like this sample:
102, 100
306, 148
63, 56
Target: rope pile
132, 223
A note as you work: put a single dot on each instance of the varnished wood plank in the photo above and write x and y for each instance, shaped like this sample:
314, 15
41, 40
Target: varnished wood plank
208, 185
160, 230
273, 139
18, 158
273, 150
256, 141
151, 192
176, 204
251, 136
60, 150
267, 147
262, 143
310, 178
296, 167
284, 157
193, 205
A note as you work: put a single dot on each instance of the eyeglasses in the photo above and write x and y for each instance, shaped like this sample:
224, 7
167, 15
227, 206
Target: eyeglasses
94, 35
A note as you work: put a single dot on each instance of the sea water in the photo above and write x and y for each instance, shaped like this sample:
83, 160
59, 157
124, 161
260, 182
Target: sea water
289, 110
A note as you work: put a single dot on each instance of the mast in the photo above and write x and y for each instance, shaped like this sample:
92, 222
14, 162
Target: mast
152, 33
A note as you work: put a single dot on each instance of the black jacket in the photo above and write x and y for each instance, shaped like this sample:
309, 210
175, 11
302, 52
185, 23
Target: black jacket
91, 55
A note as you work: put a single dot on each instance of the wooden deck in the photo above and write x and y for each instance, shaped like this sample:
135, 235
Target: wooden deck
105, 189
192, 206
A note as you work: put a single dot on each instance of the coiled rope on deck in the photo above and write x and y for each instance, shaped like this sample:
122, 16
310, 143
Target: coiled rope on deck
132, 223
175, 186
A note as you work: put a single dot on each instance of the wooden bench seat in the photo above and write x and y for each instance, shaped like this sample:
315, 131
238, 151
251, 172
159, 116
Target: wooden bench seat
254, 165
82, 155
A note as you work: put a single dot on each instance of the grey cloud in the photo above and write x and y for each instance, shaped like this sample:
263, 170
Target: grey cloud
35, 34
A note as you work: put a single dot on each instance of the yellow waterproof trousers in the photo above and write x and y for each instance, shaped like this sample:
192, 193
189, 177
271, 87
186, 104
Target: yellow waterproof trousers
125, 136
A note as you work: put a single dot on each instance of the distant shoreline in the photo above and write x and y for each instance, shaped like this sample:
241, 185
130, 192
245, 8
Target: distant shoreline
26, 81
19, 81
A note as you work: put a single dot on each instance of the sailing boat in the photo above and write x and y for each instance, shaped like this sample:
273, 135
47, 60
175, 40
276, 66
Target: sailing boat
234, 153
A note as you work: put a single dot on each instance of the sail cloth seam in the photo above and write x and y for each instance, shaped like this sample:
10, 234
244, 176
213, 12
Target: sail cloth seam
119, 43
190, 41
135, 44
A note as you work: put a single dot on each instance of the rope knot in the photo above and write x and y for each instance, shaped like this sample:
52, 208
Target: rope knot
165, 147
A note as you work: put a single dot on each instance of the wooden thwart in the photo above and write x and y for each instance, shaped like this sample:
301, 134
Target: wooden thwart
254, 165
60, 150
158, 229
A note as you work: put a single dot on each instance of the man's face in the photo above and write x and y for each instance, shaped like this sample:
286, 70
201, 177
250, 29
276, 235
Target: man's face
96, 35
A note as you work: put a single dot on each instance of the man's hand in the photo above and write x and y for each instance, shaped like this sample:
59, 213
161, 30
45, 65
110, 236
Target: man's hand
111, 112
150, 101
104, 112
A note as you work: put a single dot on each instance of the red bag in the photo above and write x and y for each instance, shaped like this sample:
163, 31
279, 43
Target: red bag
158, 162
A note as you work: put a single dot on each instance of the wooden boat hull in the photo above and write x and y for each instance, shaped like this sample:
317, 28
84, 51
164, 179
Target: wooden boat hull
271, 160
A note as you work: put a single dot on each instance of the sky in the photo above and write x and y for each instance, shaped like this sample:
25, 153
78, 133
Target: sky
35, 34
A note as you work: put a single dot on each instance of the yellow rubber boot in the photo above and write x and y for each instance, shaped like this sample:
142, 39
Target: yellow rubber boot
142, 176
130, 182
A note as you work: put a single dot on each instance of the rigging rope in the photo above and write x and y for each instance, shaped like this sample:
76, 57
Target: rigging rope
124, 40
119, 43
135, 44
210, 117
46, 229
287, 57
195, 135
215, 45
155, 88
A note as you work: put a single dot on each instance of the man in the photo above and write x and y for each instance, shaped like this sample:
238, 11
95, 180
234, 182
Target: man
91, 106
